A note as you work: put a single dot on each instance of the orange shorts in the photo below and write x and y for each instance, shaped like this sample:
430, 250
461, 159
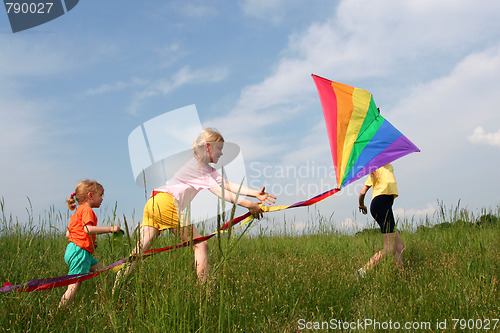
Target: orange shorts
160, 212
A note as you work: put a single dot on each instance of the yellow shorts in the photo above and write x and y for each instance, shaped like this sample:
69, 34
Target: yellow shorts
160, 212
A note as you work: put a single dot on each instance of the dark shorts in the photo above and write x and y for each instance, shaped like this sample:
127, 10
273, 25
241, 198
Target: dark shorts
381, 210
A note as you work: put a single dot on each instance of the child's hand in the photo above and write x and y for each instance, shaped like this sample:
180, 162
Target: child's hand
115, 228
265, 197
363, 209
255, 210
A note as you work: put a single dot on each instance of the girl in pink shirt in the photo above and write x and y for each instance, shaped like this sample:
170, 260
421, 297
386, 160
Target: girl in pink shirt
163, 209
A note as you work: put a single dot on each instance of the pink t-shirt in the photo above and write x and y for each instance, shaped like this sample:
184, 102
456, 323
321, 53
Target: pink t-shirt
189, 180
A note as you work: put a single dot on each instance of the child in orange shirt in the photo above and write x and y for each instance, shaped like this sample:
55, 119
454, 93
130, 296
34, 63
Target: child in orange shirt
82, 233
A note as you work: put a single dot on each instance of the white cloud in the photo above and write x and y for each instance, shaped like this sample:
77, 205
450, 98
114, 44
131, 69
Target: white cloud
448, 107
299, 226
152, 88
429, 210
273, 11
411, 29
437, 116
170, 54
115, 87
479, 136
350, 224
363, 40
185, 76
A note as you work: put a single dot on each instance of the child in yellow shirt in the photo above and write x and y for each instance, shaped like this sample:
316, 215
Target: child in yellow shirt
384, 192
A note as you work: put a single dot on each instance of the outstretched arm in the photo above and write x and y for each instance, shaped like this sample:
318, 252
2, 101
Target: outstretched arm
93, 230
252, 206
261, 195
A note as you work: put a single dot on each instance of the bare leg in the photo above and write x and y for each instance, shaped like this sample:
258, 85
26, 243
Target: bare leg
392, 244
147, 236
200, 250
98, 267
398, 250
69, 295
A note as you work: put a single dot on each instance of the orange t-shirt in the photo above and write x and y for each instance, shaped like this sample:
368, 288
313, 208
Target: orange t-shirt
83, 215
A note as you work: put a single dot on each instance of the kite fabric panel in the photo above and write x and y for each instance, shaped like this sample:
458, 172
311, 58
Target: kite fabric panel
361, 140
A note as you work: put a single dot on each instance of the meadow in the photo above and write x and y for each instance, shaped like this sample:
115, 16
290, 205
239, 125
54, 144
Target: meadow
266, 282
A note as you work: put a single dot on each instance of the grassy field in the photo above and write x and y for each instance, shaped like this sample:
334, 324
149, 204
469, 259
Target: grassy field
267, 282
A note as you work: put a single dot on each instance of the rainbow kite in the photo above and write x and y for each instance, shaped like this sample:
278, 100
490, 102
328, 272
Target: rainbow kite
361, 140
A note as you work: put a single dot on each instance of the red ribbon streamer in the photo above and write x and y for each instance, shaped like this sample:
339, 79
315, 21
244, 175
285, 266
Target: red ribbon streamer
61, 281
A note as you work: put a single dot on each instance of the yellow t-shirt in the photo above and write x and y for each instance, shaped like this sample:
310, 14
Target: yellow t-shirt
383, 181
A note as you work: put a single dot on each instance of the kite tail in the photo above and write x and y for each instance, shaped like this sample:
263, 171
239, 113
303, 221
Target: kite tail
61, 281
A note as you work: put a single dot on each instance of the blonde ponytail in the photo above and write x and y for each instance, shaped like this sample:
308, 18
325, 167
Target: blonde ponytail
71, 201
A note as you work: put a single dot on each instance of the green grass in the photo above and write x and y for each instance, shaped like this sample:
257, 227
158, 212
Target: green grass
263, 283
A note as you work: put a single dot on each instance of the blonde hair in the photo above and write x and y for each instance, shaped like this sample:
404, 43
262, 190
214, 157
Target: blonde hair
82, 189
207, 135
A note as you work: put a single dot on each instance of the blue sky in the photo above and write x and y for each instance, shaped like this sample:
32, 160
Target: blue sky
72, 90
